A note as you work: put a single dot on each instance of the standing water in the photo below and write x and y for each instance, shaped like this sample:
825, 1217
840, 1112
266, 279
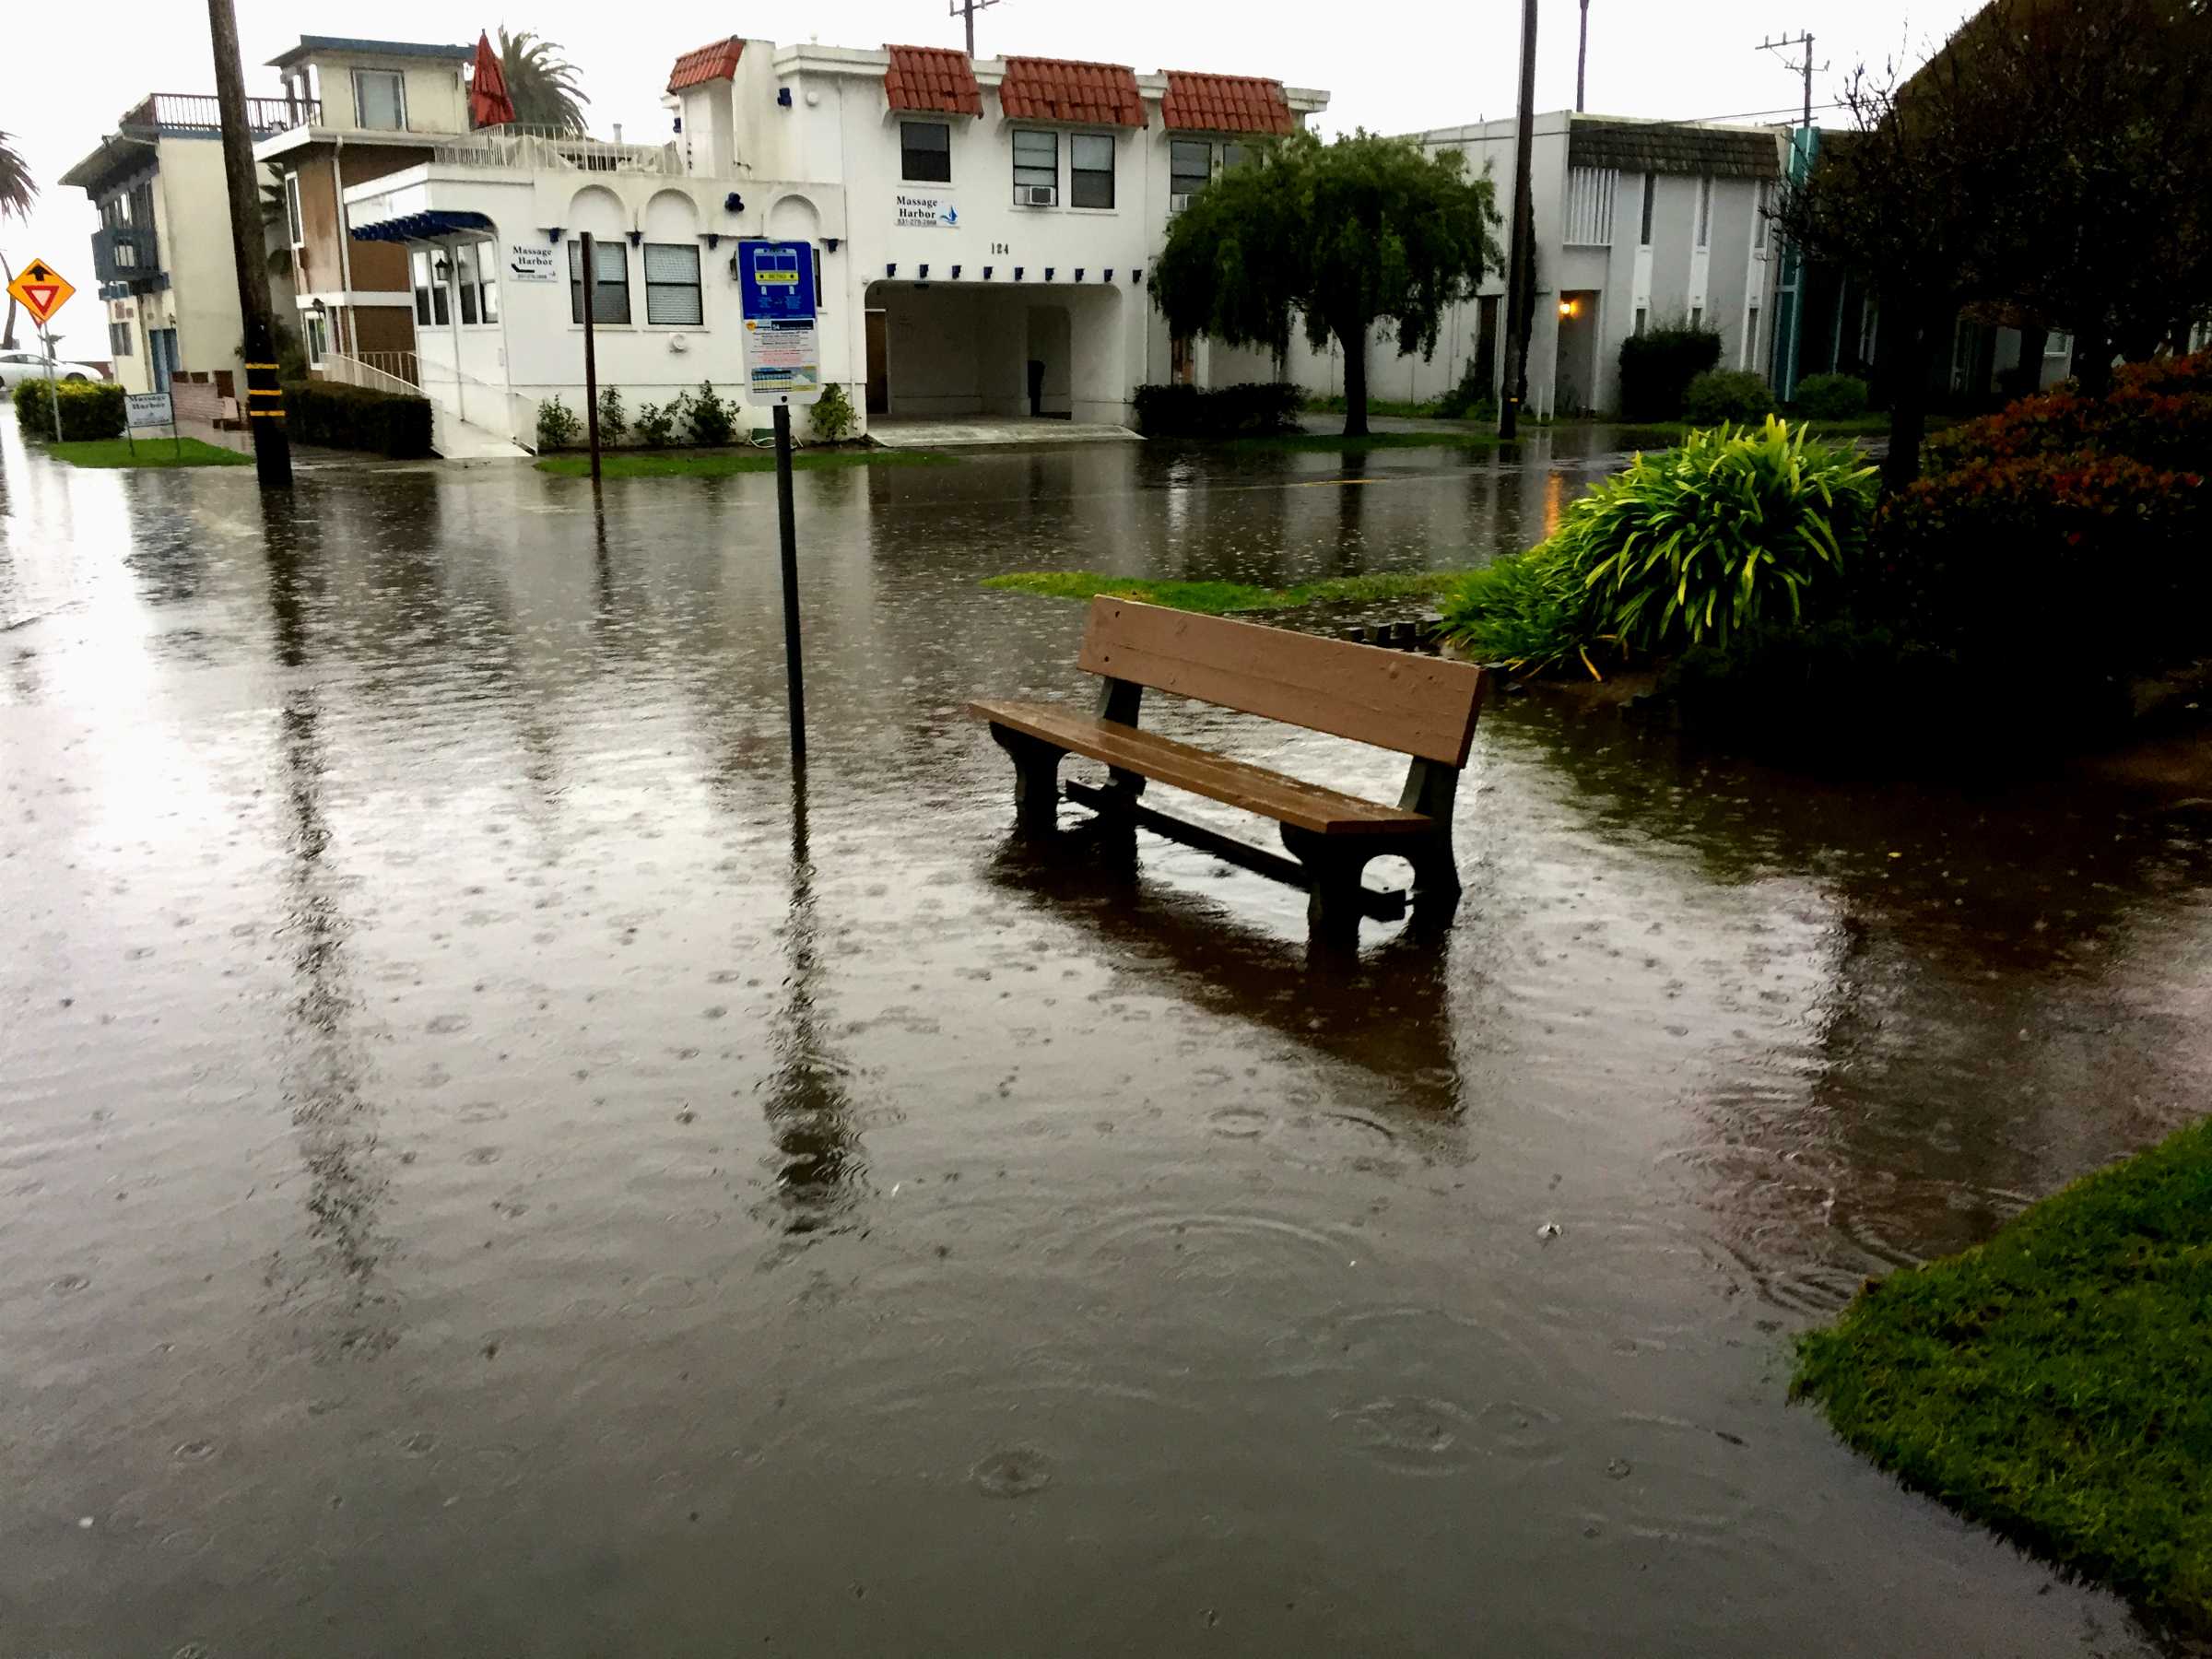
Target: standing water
487, 1165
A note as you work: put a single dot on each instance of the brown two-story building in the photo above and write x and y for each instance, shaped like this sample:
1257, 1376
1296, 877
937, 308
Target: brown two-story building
363, 109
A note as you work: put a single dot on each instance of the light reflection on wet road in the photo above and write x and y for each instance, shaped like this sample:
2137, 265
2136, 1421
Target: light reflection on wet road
485, 1168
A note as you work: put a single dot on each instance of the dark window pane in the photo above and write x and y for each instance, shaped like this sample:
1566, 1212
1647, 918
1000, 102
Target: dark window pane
926, 152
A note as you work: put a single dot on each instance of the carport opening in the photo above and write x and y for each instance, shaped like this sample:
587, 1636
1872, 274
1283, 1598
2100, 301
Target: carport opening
965, 350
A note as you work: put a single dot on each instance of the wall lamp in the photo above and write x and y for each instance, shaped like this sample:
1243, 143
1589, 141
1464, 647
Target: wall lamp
829, 243
1570, 308
553, 235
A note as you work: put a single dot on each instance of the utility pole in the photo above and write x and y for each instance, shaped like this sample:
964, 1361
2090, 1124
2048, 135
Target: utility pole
1805, 42
264, 396
1582, 64
968, 9
1520, 297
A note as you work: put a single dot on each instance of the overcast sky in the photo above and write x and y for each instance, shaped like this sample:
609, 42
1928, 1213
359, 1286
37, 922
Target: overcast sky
1397, 65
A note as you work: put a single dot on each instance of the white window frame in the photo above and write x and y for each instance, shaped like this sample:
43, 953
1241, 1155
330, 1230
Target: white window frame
1112, 171
942, 127
399, 80
1197, 144
1014, 140
601, 247
697, 285
318, 339
1751, 336
1590, 193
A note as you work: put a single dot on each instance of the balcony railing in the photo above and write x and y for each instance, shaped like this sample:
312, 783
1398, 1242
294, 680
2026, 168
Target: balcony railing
202, 113
548, 150
126, 253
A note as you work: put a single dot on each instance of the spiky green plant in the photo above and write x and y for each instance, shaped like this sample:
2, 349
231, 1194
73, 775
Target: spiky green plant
540, 83
1686, 547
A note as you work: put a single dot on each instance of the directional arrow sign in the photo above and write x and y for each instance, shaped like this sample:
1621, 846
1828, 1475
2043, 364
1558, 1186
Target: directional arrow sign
42, 289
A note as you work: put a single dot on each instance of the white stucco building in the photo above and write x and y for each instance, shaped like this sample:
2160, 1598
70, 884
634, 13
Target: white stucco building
1638, 223
983, 231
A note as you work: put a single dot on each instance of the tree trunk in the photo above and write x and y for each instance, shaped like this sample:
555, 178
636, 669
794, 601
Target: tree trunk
1355, 381
1903, 344
2093, 363
8, 333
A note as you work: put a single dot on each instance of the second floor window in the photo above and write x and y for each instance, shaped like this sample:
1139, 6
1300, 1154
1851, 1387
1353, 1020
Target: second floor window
611, 297
926, 152
1766, 211
672, 293
1651, 202
1190, 166
380, 99
294, 220
1036, 161
1090, 169
1705, 211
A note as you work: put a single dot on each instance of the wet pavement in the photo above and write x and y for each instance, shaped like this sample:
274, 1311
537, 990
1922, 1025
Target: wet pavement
487, 1166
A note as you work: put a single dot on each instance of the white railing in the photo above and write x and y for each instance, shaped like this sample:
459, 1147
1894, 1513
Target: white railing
543, 150
376, 371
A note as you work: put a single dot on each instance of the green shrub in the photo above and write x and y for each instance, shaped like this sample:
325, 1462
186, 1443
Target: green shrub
1831, 397
614, 424
831, 420
559, 427
354, 418
2096, 559
1720, 395
713, 420
90, 409
1658, 366
1731, 529
1471, 396
2158, 413
657, 422
1178, 411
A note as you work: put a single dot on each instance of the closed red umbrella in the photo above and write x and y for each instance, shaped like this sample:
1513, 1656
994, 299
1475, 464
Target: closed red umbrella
488, 104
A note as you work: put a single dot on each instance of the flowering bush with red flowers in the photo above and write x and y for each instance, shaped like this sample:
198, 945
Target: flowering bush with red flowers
2090, 559
2158, 413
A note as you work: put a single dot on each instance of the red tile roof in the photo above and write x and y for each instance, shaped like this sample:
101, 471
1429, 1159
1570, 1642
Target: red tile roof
932, 78
1052, 90
715, 62
1225, 103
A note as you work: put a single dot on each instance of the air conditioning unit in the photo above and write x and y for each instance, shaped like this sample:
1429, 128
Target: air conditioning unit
1179, 204
1037, 195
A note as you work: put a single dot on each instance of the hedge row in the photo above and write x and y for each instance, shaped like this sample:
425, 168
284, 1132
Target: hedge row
354, 418
1223, 412
90, 411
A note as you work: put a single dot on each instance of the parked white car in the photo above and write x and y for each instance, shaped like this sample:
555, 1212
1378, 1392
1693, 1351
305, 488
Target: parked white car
16, 367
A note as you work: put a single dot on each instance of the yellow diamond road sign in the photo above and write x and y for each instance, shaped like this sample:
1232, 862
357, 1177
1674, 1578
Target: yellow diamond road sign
42, 289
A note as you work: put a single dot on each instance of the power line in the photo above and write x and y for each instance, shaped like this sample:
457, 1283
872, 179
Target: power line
1754, 114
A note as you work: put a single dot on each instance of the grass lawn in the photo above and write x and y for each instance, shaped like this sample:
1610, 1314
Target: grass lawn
2055, 1382
1219, 598
150, 451
721, 464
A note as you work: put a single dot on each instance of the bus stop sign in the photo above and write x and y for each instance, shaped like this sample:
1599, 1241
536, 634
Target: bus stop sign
782, 345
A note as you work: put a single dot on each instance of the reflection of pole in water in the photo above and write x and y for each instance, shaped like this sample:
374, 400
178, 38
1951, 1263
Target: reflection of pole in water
323, 1074
809, 1112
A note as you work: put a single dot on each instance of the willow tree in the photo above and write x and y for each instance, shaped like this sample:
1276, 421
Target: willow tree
1334, 238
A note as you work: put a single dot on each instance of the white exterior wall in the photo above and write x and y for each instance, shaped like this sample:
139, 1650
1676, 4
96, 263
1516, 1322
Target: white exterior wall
437, 97
535, 350
1667, 280
957, 346
192, 224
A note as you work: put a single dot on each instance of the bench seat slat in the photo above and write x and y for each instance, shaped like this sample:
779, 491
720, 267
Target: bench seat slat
1178, 765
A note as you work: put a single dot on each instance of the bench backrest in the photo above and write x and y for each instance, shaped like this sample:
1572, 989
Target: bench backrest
1394, 700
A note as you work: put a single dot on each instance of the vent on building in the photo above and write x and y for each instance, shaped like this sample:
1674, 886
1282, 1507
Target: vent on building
1590, 191
1037, 195
1179, 204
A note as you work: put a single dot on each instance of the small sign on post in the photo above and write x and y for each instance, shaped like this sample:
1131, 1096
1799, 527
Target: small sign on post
783, 366
141, 409
41, 290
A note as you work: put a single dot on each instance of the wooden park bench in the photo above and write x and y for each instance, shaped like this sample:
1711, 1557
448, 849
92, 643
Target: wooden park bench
1422, 707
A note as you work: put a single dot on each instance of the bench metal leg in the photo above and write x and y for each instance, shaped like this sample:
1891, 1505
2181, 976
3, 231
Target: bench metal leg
1036, 777
1333, 868
1432, 788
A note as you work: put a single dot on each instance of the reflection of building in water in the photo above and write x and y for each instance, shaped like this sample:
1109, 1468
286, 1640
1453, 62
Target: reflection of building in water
334, 1123
818, 1161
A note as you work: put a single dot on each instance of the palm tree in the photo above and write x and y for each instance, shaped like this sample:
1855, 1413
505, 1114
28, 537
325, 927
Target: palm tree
541, 84
17, 194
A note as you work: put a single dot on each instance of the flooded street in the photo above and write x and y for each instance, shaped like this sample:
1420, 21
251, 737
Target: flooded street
487, 1165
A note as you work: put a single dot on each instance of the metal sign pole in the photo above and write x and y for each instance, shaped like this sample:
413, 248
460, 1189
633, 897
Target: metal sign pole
53, 394
589, 253
795, 671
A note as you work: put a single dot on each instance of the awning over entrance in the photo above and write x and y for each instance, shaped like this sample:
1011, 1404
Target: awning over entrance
438, 224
